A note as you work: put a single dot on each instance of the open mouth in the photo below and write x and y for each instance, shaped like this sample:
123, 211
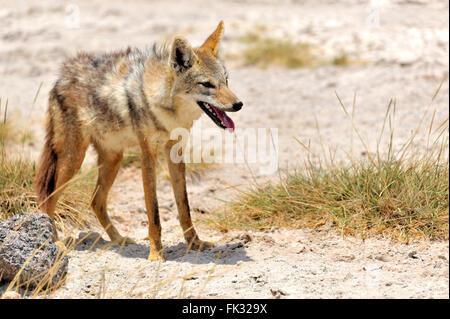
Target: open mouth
219, 117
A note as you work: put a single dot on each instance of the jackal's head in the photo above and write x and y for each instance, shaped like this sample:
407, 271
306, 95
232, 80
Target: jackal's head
201, 78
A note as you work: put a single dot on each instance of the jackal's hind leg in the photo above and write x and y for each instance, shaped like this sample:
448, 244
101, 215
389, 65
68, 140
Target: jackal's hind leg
109, 164
178, 179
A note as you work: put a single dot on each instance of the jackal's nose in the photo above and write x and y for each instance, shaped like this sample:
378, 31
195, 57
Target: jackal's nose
237, 106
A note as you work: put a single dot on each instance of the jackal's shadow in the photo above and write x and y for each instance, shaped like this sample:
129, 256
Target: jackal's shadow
226, 254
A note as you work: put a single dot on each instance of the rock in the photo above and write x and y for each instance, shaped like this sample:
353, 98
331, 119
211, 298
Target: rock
27, 246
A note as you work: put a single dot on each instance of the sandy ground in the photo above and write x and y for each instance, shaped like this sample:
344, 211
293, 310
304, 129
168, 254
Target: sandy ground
405, 46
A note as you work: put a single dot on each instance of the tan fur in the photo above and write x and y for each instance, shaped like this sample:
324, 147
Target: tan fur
224, 95
212, 43
118, 100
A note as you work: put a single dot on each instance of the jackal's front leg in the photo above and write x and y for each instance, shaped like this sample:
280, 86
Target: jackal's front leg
178, 179
151, 202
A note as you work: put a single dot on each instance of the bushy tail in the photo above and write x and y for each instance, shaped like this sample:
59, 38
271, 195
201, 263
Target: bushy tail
46, 175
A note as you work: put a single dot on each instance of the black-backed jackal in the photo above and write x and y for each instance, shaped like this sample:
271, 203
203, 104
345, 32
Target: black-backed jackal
133, 97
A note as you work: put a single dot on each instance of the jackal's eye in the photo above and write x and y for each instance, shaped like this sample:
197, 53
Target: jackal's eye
208, 85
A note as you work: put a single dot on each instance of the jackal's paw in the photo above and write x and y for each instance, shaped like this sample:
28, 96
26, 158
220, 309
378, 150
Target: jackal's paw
123, 241
155, 256
198, 244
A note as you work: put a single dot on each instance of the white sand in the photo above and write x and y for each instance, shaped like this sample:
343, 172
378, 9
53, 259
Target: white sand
407, 58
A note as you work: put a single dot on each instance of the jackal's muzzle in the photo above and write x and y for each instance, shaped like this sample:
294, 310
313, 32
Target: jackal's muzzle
220, 117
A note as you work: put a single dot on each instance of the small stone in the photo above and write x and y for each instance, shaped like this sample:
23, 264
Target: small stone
237, 245
348, 276
190, 278
268, 239
302, 249
260, 279
372, 267
245, 238
91, 238
200, 210
11, 295
346, 258
413, 254
383, 258
277, 293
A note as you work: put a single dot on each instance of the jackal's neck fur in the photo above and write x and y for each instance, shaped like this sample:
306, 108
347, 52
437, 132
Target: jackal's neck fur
159, 87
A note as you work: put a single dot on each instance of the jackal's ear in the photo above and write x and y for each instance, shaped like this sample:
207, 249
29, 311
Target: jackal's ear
182, 57
213, 41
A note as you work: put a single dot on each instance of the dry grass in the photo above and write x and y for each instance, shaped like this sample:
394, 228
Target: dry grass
11, 134
5, 127
265, 52
16, 185
401, 195
17, 193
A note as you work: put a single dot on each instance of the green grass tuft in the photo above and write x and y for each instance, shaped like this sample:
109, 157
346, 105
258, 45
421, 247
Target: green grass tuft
401, 195
404, 199
265, 52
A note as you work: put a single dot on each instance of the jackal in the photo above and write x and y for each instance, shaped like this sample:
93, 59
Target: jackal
133, 97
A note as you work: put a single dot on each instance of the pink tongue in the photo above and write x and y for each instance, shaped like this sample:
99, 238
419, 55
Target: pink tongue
224, 118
